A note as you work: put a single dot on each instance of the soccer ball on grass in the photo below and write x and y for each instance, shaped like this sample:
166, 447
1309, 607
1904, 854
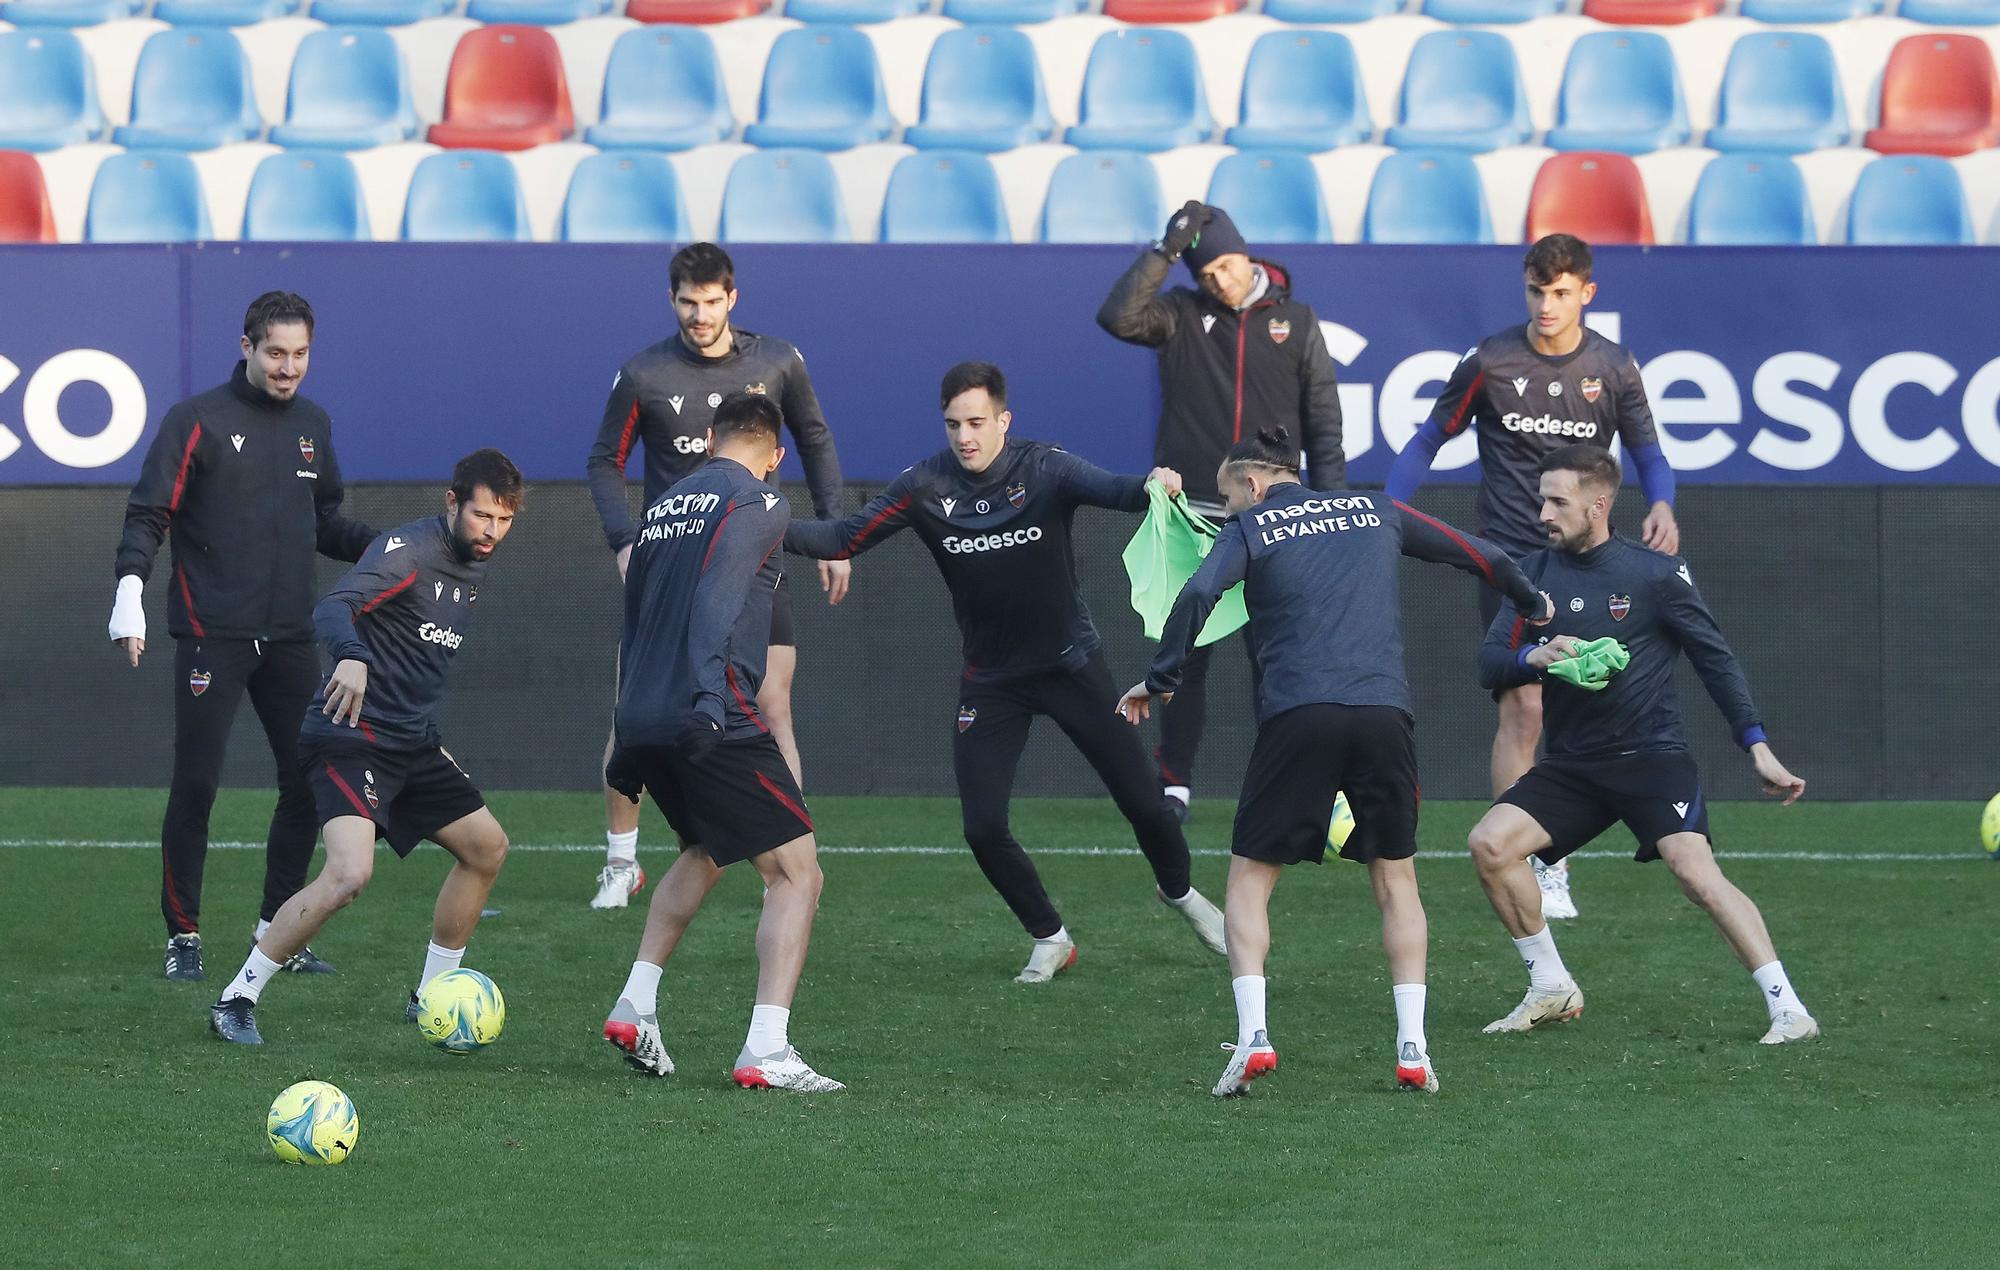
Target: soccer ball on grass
312, 1122
461, 1011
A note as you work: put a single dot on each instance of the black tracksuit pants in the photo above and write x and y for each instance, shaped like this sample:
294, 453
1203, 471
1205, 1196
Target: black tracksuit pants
993, 721
210, 678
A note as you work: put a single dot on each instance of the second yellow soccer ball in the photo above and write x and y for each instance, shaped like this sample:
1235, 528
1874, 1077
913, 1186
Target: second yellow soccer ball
461, 1011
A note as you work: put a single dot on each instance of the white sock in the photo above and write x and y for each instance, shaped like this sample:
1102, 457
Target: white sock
249, 981
1178, 791
1776, 988
437, 961
1410, 1015
768, 1027
1062, 933
262, 926
621, 848
1545, 965
1249, 991
642, 987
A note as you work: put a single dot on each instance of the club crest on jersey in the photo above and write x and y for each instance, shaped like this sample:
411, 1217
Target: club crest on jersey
1017, 494
966, 714
1521, 386
1591, 388
198, 681
306, 449
368, 792
754, 389
1280, 330
1620, 606
472, 595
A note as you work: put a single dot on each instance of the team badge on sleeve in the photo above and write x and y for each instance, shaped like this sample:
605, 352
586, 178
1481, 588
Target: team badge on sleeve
966, 714
1280, 330
1620, 606
198, 682
1017, 494
1591, 388
306, 449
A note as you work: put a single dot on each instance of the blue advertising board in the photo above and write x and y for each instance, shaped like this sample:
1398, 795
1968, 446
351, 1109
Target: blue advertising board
1807, 366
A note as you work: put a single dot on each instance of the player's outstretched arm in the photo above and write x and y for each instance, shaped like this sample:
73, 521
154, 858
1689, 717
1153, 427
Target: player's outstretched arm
617, 434
1225, 566
1428, 538
1451, 414
742, 541
874, 524
340, 537
1693, 627
1083, 483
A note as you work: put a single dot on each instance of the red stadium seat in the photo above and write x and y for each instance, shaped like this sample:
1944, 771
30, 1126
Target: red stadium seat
694, 12
1940, 95
1148, 12
1598, 197
1650, 12
506, 91
24, 200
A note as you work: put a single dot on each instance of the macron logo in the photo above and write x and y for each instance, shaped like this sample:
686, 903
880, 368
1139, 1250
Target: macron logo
1207, 323
675, 402
770, 501
947, 504
395, 544
1521, 386
1682, 573
236, 439
1681, 808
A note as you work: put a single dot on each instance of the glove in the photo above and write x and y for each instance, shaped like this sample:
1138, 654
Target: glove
622, 775
1184, 229
1593, 664
128, 613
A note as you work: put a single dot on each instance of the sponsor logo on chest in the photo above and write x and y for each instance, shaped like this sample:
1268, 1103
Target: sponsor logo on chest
444, 636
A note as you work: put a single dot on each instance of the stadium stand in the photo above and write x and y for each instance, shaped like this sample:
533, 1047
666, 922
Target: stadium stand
506, 91
1462, 91
1780, 93
1598, 196
68, 12
48, 92
663, 90
1940, 95
1142, 12
1650, 12
1620, 91
1301, 90
25, 215
1751, 200
1426, 196
1103, 197
1142, 90
350, 89
982, 91
1913, 200
945, 196
306, 195
147, 196
222, 12
1806, 12
694, 12
1319, 11
1273, 196
854, 12
465, 196
624, 198
783, 196
380, 12
822, 91
536, 12
1951, 12
1013, 12
192, 91
1490, 12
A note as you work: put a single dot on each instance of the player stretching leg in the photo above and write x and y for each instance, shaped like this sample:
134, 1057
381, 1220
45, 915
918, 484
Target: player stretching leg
370, 741
1530, 390
1333, 713
995, 514
697, 630
1618, 752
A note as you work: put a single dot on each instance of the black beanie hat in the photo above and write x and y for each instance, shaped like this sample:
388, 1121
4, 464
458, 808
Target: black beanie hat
1218, 238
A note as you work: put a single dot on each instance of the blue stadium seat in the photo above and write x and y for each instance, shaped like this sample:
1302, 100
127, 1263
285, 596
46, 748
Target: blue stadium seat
465, 196
822, 91
350, 90
625, 198
1427, 196
1318, 11
982, 91
1794, 12
662, 91
1751, 200
1105, 196
783, 196
1272, 195
851, 12
1462, 91
147, 196
306, 196
223, 12
1780, 94
1142, 90
945, 196
67, 12
536, 12
1301, 91
1011, 12
1909, 200
1490, 12
379, 12
1951, 12
192, 91
48, 92
1620, 92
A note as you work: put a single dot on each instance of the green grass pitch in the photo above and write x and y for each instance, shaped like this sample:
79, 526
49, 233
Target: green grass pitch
990, 1124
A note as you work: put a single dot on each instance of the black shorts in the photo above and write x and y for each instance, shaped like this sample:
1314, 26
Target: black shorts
409, 794
781, 613
1307, 755
736, 801
1657, 793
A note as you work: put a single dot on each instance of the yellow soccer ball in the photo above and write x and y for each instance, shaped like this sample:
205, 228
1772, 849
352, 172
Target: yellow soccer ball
461, 1011
312, 1122
1342, 824
1989, 827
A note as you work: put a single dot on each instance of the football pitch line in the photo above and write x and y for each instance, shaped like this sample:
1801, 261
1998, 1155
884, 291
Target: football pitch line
912, 849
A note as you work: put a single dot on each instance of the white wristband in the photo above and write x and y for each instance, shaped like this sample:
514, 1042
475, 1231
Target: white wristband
128, 612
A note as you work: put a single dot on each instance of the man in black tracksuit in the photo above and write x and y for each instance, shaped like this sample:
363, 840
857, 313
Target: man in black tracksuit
1236, 355
995, 515
1617, 752
244, 478
1319, 575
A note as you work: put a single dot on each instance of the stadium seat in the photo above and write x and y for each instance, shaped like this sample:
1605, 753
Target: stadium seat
192, 91
1599, 197
693, 12
466, 196
1462, 91
506, 91
1427, 196
1490, 12
306, 196
1302, 90
1620, 91
1011, 12
1781, 93
1142, 90
48, 92
1940, 94
663, 90
147, 196
1650, 12
852, 12
379, 12
1103, 197
625, 198
350, 90
822, 91
25, 216
982, 91
536, 12
1272, 195
68, 12
783, 196
223, 12
1145, 12
1951, 12
1751, 200
1798, 12
944, 196
1912, 200
1320, 11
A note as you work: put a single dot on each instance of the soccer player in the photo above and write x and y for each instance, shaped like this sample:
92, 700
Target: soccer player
370, 740
1618, 753
995, 514
1333, 713
244, 478
1533, 389
698, 594
665, 398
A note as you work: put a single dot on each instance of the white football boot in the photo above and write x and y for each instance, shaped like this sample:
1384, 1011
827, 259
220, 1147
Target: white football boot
617, 884
1539, 1007
1558, 905
1050, 958
638, 1036
781, 1071
1202, 916
1246, 1063
1414, 1071
1791, 1025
